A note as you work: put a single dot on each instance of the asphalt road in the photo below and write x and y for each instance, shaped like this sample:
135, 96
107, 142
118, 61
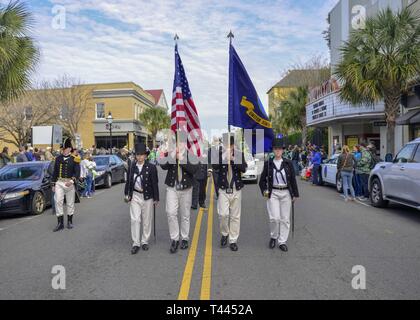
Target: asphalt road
331, 237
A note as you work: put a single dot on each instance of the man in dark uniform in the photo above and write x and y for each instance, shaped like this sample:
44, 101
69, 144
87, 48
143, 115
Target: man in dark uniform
65, 177
278, 185
179, 182
230, 168
200, 183
142, 191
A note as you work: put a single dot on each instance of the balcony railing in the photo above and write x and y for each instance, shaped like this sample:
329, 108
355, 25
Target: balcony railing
330, 107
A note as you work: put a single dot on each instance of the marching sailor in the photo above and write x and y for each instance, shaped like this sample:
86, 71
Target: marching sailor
65, 176
179, 181
278, 184
142, 191
229, 189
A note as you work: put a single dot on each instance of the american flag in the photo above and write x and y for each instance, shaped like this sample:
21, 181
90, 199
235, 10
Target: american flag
184, 114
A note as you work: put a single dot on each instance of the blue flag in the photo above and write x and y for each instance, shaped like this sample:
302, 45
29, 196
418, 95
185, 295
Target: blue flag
245, 108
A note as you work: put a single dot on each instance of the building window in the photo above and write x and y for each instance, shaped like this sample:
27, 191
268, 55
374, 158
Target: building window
28, 113
100, 111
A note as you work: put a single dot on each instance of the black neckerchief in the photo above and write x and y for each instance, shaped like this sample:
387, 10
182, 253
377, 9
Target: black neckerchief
279, 170
139, 174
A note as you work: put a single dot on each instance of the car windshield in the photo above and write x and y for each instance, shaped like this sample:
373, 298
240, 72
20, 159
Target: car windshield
101, 161
21, 173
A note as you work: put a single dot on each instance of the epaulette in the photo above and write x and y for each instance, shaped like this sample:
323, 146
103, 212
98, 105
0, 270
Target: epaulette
76, 159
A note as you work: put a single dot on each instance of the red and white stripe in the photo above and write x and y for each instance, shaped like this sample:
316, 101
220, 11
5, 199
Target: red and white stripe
184, 116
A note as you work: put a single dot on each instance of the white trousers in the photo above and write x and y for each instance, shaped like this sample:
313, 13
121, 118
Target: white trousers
278, 207
178, 201
141, 213
229, 209
62, 191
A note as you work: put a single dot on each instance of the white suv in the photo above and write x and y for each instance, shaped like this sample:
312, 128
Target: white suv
398, 181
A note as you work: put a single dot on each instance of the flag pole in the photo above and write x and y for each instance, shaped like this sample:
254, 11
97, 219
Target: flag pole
176, 38
230, 36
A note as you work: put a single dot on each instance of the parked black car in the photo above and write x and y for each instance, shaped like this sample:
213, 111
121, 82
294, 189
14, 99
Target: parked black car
25, 188
110, 169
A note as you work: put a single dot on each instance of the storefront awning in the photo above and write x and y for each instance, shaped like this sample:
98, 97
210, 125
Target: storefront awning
411, 117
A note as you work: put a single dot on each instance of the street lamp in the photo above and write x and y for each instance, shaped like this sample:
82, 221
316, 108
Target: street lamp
110, 119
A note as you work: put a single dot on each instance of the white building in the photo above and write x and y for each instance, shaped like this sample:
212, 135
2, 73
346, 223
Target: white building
349, 124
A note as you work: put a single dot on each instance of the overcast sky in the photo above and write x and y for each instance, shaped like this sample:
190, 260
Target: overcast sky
132, 40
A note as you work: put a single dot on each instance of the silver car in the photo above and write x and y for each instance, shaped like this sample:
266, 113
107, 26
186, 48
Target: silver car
329, 173
398, 181
251, 173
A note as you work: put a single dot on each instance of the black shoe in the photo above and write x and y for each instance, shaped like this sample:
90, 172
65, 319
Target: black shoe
203, 206
184, 244
135, 249
193, 208
233, 247
69, 222
223, 242
174, 246
145, 247
283, 247
272, 243
60, 224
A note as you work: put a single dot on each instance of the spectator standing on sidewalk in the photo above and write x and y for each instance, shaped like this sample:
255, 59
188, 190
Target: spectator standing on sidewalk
363, 169
36, 155
29, 153
87, 166
4, 157
345, 165
48, 155
357, 181
21, 157
316, 161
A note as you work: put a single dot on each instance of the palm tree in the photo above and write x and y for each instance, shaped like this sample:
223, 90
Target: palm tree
155, 119
18, 53
293, 111
379, 62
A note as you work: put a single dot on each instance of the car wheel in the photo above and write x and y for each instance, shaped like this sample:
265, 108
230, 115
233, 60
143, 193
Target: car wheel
108, 181
124, 179
376, 195
38, 203
339, 184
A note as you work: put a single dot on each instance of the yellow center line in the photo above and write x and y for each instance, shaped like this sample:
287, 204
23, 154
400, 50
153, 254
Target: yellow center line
206, 280
189, 267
